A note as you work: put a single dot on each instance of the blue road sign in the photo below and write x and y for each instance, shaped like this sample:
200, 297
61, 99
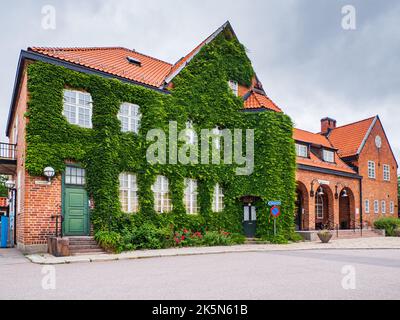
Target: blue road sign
275, 211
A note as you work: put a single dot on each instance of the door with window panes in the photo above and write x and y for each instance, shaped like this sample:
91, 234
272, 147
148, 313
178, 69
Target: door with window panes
75, 202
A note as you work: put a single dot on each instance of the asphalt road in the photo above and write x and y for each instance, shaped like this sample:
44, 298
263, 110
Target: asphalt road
365, 274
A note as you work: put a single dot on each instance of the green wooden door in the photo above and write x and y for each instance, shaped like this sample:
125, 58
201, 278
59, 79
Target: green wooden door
76, 212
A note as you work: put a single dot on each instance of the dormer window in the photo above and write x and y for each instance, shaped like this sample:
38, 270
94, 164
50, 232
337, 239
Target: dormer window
328, 156
301, 150
234, 87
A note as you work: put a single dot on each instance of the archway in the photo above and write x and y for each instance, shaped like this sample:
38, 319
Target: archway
324, 208
301, 207
346, 209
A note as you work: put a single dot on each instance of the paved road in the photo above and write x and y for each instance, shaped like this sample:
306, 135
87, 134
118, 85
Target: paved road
314, 274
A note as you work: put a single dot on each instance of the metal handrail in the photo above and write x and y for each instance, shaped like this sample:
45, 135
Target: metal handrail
8, 151
58, 232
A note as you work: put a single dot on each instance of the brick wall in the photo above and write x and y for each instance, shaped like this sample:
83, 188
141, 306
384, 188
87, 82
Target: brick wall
304, 179
378, 189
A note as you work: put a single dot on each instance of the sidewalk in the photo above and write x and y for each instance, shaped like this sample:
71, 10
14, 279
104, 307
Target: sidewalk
358, 243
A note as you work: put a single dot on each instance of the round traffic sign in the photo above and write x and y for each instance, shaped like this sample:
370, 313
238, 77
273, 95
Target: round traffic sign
275, 211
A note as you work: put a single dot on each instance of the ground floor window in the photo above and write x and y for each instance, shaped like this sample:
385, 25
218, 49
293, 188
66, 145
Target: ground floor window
367, 206
218, 199
162, 198
319, 207
391, 207
191, 196
128, 193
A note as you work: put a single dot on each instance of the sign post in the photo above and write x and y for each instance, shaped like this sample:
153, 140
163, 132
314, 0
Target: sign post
275, 212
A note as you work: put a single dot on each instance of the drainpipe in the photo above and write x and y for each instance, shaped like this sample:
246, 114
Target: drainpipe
361, 203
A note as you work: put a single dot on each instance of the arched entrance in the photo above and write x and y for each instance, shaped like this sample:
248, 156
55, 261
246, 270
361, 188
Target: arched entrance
323, 208
346, 209
301, 207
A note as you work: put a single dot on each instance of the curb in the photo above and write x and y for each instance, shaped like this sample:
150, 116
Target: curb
50, 260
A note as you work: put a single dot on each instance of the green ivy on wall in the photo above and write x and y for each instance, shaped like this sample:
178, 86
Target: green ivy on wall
200, 94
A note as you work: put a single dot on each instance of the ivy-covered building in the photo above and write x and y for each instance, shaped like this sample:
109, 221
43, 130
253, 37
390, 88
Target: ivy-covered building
88, 114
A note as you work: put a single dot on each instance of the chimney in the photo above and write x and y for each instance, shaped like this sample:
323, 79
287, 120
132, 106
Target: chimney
327, 124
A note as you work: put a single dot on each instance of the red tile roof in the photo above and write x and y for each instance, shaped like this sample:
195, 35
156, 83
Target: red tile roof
348, 138
256, 100
314, 161
113, 60
309, 137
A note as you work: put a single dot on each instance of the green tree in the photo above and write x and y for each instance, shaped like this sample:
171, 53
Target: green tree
3, 189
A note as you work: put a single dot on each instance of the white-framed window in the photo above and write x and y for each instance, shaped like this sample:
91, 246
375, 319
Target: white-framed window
78, 108
218, 199
75, 176
217, 138
191, 196
128, 192
319, 207
328, 155
391, 207
386, 172
234, 87
162, 199
376, 206
383, 205
371, 169
301, 150
366, 206
129, 115
190, 133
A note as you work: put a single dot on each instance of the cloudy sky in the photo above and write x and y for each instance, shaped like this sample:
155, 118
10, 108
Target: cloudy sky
309, 65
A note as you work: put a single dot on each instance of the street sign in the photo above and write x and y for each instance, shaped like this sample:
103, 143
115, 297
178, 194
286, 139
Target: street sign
275, 211
274, 203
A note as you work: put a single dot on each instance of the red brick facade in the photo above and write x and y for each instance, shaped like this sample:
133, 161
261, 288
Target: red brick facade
357, 143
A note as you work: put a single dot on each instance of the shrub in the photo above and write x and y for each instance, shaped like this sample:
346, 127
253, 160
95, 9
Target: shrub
109, 240
217, 238
148, 236
388, 224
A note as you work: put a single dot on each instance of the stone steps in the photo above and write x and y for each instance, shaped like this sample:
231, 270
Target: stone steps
84, 246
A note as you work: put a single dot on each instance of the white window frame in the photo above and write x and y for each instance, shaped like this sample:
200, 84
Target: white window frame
366, 205
301, 150
218, 199
217, 138
190, 133
234, 86
328, 155
371, 169
128, 186
376, 206
391, 207
383, 206
77, 109
160, 189
386, 172
130, 116
319, 205
191, 196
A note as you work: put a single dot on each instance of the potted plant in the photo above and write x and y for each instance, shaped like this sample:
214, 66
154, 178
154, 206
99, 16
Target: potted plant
324, 235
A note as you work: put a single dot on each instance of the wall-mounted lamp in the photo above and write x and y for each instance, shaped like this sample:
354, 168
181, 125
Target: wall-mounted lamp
312, 192
343, 193
9, 184
320, 192
49, 172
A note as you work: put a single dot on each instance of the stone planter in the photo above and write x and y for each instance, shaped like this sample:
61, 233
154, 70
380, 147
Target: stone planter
324, 236
397, 232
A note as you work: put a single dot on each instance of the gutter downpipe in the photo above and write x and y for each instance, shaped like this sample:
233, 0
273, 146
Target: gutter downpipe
361, 211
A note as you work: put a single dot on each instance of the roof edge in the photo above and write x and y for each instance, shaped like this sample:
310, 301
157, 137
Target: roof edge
207, 41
